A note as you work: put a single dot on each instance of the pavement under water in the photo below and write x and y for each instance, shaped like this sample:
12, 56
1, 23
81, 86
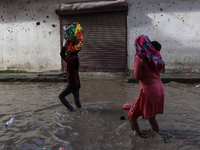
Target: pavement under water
43, 123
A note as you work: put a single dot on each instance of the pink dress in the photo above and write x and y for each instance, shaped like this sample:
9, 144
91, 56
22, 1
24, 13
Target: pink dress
151, 90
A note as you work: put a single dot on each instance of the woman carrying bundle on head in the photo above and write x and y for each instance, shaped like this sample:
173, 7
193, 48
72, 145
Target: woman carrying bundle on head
73, 41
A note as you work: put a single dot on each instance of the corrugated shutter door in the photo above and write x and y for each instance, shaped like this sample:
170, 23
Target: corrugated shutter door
104, 41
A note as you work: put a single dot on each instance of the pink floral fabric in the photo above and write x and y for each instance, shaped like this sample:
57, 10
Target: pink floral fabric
146, 51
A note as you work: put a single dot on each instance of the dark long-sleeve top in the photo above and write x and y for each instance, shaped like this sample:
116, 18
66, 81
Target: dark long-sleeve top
72, 69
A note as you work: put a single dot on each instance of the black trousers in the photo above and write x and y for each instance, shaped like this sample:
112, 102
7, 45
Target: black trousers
66, 91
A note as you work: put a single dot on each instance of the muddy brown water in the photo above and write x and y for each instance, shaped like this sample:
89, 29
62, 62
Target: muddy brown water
43, 123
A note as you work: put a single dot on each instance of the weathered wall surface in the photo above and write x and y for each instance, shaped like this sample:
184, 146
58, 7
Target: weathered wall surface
30, 33
174, 24
29, 36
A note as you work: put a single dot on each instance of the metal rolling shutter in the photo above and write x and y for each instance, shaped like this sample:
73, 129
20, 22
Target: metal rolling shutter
104, 43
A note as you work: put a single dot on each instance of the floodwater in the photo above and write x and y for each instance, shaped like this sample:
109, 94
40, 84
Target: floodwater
43, 123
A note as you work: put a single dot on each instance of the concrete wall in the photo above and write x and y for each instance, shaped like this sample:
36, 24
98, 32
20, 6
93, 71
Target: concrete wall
29, 36
174, 24
30, 33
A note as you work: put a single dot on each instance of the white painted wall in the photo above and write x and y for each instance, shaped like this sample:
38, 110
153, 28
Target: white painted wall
174, 24
24, 44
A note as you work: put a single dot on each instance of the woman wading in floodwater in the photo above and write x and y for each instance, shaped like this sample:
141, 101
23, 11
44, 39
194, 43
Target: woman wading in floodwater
73, 80
148, 64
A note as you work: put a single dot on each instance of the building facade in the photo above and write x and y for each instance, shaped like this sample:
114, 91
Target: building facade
31, 33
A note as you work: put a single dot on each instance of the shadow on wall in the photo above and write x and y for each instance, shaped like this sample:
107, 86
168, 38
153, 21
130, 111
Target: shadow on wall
25, 11
139, 11
174, 24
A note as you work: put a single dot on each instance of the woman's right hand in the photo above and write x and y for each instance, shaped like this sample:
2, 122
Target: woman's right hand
68, 40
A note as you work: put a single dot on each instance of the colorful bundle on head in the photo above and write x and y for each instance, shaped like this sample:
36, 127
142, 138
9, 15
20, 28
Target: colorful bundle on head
74, 32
